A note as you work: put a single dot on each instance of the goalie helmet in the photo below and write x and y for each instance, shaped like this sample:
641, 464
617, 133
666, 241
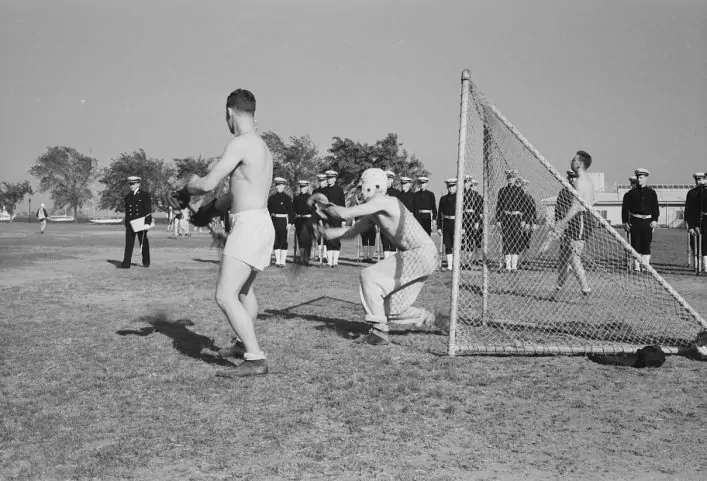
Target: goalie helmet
373, 181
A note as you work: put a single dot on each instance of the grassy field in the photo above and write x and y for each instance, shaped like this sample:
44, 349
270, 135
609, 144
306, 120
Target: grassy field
109, 374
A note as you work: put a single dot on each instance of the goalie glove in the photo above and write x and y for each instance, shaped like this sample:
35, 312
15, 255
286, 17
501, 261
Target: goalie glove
205, 214
180, 198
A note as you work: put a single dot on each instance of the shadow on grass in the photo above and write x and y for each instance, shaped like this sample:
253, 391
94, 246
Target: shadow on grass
116, 263
208, 261
185, 341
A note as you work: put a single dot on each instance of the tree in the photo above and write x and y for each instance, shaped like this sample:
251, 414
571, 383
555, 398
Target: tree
390, 155
157, 179
349, 159
67, 174
294, 161
12, 194
189, 165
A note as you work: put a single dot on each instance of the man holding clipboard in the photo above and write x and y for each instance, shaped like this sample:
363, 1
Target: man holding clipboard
138, 220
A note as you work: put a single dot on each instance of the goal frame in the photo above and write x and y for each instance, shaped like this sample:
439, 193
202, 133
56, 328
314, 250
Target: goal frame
454, 347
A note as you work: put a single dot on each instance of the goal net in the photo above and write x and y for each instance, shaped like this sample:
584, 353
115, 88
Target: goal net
525, 281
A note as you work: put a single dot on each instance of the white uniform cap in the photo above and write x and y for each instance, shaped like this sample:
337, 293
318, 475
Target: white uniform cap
405, 180
321, 176
510, 173
279, 180
331, 173
451, 181
422, 180
134, 178
699, 175
642, 171
303, 183
390, 174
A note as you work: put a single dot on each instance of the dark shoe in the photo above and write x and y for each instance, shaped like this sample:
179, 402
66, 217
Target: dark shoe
236, 350
246, 369
123, 266
146, 265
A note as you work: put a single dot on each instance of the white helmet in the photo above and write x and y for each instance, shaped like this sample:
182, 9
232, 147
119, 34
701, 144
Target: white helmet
373, 181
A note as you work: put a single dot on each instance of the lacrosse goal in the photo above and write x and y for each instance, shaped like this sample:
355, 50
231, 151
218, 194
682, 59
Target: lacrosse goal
509, 262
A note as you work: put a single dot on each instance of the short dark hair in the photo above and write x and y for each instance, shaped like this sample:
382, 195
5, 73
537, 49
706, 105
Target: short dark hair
241, 100
585, 158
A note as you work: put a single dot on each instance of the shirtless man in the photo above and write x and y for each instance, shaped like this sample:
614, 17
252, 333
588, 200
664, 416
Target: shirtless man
576, 226
248, 162
389, 287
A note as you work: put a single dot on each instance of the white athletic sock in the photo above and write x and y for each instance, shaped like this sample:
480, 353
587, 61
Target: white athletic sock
277, 256
254, 356
329, 258
336, 257
283, 256
646, 259
508, 262
514, 261
450, 261
637, 265
704, 263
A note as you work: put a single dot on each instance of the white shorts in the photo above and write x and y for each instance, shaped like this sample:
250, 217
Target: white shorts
251, 239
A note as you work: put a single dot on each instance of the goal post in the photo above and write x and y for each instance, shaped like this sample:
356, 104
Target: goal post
536, 269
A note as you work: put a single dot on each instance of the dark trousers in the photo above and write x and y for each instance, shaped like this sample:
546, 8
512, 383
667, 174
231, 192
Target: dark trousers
511, 234
304, 229
280, 225
425, 221
130, 244
368, 238
641, 235
333, 245
472, 237
448, 235
703, 236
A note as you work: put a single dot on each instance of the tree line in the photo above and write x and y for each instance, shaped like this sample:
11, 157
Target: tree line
68, 175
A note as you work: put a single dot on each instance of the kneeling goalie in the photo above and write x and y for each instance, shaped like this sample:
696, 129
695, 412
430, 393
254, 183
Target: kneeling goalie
388, 288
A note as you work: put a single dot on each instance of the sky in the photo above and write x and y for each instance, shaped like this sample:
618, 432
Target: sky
622, 79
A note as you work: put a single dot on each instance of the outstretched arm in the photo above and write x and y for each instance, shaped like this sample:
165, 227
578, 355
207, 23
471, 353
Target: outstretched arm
360, 226
232, 156
371, 207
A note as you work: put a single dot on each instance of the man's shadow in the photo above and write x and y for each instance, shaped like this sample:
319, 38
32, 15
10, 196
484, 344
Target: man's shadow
210, 261
185, 341
116, 263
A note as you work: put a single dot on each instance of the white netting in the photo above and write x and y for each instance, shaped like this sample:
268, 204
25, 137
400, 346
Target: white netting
513, 298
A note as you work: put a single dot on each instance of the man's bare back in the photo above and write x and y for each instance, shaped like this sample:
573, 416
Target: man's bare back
248, 162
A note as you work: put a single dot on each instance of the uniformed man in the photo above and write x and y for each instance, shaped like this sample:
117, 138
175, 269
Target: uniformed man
509, 217
138, 204
445, 219
407, 196
473, 213
696, 217
426, 205
639, 214
530, 213
388, 248
322, 187
42, 215
280, 208
304, 224
335, 194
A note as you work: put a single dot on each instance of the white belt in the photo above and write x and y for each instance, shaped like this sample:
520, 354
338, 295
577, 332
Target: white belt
641, 216
514, 212
424, 211
279, 215
301, 216
447, 216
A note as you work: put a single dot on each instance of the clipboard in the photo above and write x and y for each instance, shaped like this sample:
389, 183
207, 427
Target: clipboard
139, 225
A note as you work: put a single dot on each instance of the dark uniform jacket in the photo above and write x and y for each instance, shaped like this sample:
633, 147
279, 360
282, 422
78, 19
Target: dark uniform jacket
695, 205
425, 200
528, 208
335, 194
281, 203
473, 206
393, 192
642, 201
300, 206
447, 206
511, 199
408, 200
138, 205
